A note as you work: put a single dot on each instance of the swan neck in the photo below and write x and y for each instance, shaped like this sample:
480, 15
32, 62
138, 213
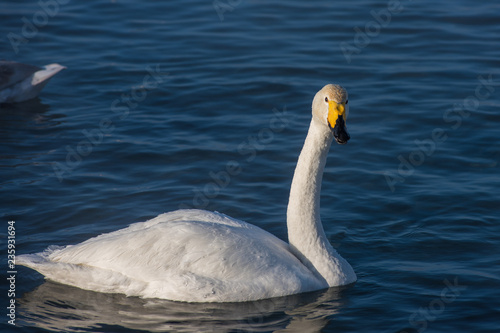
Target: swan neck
304, 203
305, 232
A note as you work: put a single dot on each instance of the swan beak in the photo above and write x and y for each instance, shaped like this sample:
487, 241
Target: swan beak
336, 122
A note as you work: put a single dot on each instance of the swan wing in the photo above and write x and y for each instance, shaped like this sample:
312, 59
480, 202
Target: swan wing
185, 255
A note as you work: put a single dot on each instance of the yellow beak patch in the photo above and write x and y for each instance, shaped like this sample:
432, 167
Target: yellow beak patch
334, 111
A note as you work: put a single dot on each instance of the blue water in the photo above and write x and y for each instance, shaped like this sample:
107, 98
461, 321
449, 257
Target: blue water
159, 99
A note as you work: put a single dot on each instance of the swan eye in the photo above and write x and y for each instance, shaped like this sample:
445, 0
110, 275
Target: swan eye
326, 99
346, 101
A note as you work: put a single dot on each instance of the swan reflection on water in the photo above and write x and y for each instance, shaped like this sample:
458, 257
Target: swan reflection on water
58, 307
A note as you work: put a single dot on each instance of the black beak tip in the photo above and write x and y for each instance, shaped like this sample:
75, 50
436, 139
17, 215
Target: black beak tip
342, 139
340, 132
340, 142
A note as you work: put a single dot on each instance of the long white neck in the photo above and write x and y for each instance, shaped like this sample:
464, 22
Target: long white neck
305, 232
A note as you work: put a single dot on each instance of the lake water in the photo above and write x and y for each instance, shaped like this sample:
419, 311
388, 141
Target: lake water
160, 98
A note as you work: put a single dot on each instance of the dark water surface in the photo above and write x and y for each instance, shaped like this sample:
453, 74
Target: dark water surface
159, 99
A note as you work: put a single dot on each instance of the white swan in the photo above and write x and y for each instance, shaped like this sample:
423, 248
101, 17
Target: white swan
21, 82
200, 256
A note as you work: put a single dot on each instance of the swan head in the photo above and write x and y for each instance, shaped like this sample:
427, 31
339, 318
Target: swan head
330, 108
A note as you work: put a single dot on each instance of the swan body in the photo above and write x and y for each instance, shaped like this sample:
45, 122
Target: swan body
201, 256
185, 255
21, 82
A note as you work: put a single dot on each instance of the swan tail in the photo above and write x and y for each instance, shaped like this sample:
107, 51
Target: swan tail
79, 275
36, 261
42, 263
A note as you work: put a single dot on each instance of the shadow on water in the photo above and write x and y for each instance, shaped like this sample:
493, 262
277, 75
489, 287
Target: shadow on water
28, 109
57, 307
27, 118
